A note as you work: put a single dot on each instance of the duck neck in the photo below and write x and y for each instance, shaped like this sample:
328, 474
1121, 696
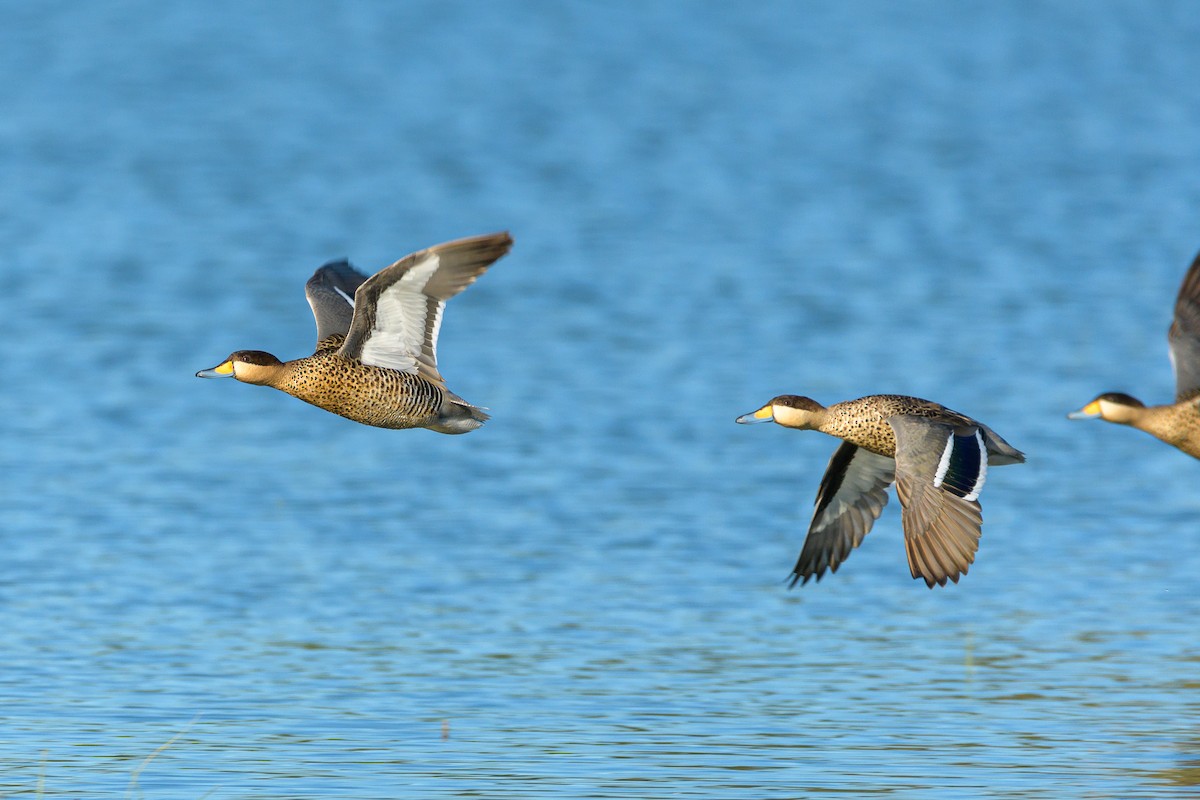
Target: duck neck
273, 375
1177, 425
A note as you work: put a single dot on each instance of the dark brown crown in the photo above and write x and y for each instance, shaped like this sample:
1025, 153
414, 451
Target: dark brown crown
796, 401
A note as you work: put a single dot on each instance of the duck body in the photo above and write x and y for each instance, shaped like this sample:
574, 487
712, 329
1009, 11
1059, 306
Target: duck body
1178, 423
376, 355
368, 394
937, 458
865, 423
371, 395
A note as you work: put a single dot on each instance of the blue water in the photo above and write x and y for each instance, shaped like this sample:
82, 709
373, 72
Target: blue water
213, 590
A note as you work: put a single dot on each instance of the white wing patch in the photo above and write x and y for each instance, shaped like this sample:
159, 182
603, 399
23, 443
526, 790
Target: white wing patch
983, 464
396, 338
435, 327
944, 464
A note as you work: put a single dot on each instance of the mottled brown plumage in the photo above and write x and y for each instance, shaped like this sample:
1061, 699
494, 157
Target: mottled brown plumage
937, 457
376, 358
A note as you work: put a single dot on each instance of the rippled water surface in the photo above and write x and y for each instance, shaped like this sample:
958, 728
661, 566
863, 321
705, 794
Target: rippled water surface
213, 590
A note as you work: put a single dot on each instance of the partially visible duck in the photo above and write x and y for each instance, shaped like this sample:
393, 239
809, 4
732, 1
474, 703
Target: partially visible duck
1177, 424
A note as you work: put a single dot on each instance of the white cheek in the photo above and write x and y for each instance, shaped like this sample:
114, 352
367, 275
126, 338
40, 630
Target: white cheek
791, 417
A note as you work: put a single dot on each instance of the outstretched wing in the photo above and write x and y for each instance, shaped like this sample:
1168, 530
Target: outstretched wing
330, 292
398, 311
852, 496
939, 472
1184, 336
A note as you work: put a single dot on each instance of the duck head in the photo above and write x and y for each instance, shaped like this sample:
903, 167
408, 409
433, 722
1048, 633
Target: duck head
788, 410
1110, 407
247, 366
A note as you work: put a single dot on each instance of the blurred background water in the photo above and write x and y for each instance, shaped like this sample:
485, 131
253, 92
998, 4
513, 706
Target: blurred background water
213, 590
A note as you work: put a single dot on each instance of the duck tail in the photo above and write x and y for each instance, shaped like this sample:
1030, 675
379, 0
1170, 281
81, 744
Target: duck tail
459, 416
999, 451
